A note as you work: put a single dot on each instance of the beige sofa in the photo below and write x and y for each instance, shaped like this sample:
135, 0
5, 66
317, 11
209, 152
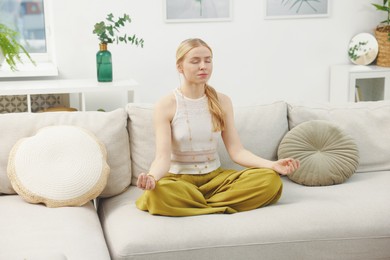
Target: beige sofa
350, 220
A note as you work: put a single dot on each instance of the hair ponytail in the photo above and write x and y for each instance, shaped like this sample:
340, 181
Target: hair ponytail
215, 108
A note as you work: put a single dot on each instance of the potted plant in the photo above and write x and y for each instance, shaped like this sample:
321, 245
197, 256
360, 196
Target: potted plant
109, 32
10, 48
382, 34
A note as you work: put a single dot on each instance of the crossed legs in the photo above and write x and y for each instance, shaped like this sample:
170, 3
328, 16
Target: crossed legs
221, 191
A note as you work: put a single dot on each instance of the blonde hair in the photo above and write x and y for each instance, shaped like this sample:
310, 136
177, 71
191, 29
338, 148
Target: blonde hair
215, 108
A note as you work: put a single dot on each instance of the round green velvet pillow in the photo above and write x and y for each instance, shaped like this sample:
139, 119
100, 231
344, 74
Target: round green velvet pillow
327, 154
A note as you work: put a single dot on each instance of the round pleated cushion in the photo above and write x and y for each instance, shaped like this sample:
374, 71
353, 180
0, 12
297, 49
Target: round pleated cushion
59, 166
327, 154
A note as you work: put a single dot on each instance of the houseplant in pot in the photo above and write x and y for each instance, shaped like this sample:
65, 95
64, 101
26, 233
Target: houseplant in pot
108, 31
382, 34
10, 48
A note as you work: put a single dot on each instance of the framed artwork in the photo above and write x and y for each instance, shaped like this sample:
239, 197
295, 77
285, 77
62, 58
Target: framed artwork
197, 10
282, 9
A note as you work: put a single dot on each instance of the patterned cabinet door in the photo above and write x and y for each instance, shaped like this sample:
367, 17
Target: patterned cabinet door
15, 104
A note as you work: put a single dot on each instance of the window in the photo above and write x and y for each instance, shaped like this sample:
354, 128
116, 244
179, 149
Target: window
29, 18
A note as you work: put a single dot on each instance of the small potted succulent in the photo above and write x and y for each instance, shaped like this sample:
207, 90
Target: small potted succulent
10, 48
108, 31
382, 34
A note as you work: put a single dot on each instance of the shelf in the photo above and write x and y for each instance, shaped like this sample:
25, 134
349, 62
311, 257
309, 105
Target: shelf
351, 83
66, 86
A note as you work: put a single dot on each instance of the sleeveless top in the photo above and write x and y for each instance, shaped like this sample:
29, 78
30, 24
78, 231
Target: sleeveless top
194, 144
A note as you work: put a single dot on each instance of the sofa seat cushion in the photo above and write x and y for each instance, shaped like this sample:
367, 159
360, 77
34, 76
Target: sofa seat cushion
109, 128
46, 167
341, 220
368, 123
36, 230
327, 154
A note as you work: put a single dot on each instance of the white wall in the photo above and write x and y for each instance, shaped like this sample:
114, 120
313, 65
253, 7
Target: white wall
255, 60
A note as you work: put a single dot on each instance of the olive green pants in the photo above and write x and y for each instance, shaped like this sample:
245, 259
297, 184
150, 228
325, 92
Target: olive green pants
220, 191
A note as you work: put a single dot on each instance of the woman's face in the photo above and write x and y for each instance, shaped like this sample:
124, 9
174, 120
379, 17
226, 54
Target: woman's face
197, 65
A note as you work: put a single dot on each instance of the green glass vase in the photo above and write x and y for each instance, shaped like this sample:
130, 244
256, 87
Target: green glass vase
104, 64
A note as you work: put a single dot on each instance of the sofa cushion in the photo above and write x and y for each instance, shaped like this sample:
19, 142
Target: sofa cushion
59, 166
327, 155
109, 127
261, 128
142, 139
348, 221
368, 123
33, 231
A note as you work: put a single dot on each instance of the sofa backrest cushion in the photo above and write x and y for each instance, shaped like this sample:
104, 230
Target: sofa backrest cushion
141, 138
109, 128
261, 128
368, 123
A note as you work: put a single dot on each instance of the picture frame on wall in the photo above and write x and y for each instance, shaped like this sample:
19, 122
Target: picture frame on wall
179, 11
290, 9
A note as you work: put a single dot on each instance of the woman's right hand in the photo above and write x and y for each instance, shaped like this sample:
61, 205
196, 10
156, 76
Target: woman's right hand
146, 181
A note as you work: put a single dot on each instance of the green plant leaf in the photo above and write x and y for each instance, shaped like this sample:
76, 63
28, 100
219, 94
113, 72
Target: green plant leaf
110, 17
382, 8
110, 30
11, 47
127, 18
108, 33
385, 8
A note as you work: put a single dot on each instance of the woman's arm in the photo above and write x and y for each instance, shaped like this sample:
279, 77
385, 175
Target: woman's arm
242, 156
163, 115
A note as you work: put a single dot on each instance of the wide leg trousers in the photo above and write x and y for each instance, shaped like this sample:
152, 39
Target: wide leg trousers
220, 191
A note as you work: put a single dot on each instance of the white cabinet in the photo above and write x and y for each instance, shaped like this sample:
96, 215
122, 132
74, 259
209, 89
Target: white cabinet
85, 94
352, 83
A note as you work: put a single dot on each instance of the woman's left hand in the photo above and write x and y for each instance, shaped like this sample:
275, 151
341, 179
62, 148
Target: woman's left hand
286, 166
146, 181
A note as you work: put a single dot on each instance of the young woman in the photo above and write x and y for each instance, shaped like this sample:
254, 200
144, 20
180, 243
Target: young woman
185, 177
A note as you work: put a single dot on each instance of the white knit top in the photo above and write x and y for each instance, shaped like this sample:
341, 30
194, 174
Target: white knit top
194, 144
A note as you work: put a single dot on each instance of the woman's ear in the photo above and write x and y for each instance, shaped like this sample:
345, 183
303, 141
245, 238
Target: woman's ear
179, 68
